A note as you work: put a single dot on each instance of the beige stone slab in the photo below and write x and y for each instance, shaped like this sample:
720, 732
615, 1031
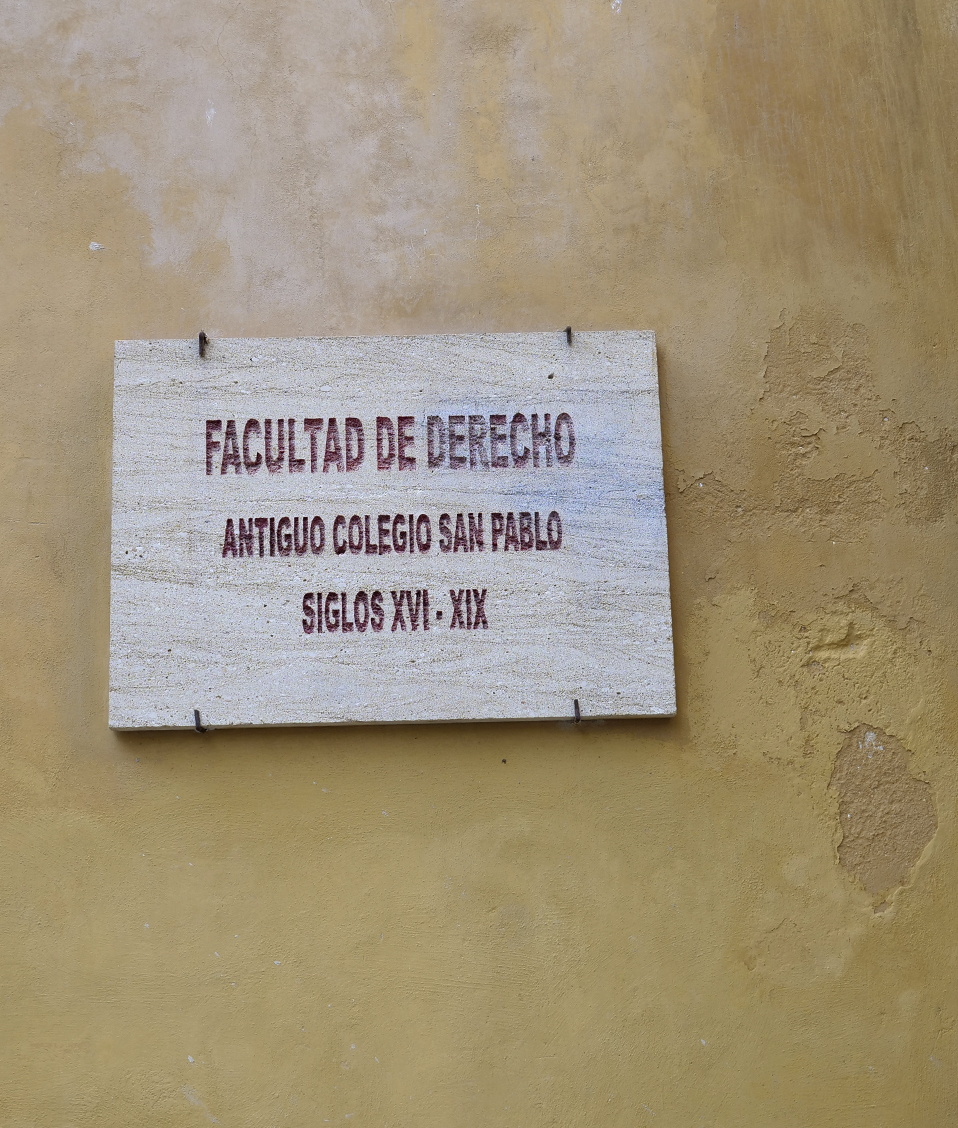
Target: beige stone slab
580, 614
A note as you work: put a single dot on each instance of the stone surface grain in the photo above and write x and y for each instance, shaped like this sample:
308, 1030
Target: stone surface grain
457, 528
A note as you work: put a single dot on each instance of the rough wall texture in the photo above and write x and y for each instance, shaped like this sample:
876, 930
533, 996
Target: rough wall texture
659, 923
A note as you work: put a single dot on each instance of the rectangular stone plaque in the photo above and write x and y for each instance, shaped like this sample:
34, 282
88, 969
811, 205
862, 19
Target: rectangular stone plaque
385, 529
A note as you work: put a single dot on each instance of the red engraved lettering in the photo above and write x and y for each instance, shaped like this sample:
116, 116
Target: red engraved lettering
476, 541
460, 542
313, 427
250, 464
385, 443
436, 445
512, 534
564, 423
355, 535
541, 543
457, 439
332, 611
498, 522
345, 625
457, 620
229, 539
317, 526
245, 537
399, 621
404, 440
333, 455
371, 546
378, 616
274, 463
526, 539
479, 614
399, 534
262, 524
300, 540
231, 454
541, 440
281, 539
361, 611
309, 613
355, 443
520, 458
284, 536
296, 465
478, 455
498, 438
212, 444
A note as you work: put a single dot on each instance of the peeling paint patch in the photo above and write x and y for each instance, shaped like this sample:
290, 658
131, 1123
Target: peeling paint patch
887, 816
837, 639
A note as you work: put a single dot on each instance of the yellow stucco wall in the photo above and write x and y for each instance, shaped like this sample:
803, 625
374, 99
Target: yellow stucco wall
638, 923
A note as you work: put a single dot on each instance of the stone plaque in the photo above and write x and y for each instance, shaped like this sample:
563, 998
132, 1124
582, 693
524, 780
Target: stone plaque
384, 529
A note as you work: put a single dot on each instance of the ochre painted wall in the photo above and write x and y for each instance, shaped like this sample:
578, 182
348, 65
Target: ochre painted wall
742, 917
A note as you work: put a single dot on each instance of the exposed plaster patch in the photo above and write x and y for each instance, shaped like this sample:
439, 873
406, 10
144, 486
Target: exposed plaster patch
926, 476
837, 639
887, 816
817, 366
